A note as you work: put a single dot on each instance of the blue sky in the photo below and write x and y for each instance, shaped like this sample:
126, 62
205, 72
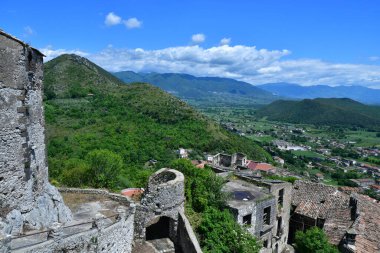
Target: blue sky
308, 42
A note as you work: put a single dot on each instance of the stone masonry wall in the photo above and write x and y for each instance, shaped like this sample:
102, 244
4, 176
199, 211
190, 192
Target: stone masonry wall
27, 200
164, 197
186, 236
116, 238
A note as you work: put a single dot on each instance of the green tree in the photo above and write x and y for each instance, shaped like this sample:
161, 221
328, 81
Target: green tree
105, 167
221, 234
313, 240
203, 188
75, 173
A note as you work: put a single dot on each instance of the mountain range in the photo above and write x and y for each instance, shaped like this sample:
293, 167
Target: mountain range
86, 109
323, 111
295, 91
203, 90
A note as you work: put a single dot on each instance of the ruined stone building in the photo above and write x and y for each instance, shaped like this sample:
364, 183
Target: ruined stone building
160, 221
33, 215
27, 199
228, 161
263, 206
350, 222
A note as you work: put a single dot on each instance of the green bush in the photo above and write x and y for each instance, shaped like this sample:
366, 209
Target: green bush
313, 240
104, 168
220, 233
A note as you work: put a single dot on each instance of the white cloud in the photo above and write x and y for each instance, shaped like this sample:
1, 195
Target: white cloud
28, 31
132, 23
225, 41
198, 38
112, 19
51, 53
245, 63
374, 58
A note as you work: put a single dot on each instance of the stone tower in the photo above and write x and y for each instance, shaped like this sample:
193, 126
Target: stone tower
27, 200
158, 213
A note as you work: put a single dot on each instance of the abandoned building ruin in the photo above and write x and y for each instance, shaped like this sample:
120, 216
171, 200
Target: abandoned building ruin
228, 161
351, 222
33, 215
263, 206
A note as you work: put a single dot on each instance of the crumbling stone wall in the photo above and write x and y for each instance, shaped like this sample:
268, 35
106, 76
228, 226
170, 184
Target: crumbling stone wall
164, 197
27, 200
116, 238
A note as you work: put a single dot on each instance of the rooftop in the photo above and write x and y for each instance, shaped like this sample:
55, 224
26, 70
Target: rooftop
367, 225
259, 166
244, 193
319, 201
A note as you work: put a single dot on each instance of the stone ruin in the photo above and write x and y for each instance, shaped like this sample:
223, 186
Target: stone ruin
158, 213
27, 200
33, 215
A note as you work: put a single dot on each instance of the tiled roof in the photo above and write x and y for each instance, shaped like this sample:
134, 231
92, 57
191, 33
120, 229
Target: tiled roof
367, 225
324, 202
259, 166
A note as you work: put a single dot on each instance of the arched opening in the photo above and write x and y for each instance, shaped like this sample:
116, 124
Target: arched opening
159, 229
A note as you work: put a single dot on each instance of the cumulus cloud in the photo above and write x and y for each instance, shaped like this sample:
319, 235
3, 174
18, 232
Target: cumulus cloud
198, 38
225, 41
51, 53
112, 19
245, 63
132, 23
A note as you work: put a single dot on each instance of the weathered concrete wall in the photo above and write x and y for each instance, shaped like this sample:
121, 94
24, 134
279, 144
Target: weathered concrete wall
27, 200
186, 236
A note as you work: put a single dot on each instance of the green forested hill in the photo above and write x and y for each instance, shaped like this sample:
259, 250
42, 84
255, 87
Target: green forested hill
135, 123
73, 76
323, 111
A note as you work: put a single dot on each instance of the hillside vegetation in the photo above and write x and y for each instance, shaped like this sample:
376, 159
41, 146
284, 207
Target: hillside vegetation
323, 111
117, 122
204, 91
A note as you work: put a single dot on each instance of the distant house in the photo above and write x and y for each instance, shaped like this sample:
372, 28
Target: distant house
349, 190
279, 160
318, 177
199, 163
283, 145
182, 153
364, 182
263, 167
228, 161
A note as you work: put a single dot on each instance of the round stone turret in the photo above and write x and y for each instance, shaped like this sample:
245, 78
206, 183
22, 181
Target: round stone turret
164, 198
165, 190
